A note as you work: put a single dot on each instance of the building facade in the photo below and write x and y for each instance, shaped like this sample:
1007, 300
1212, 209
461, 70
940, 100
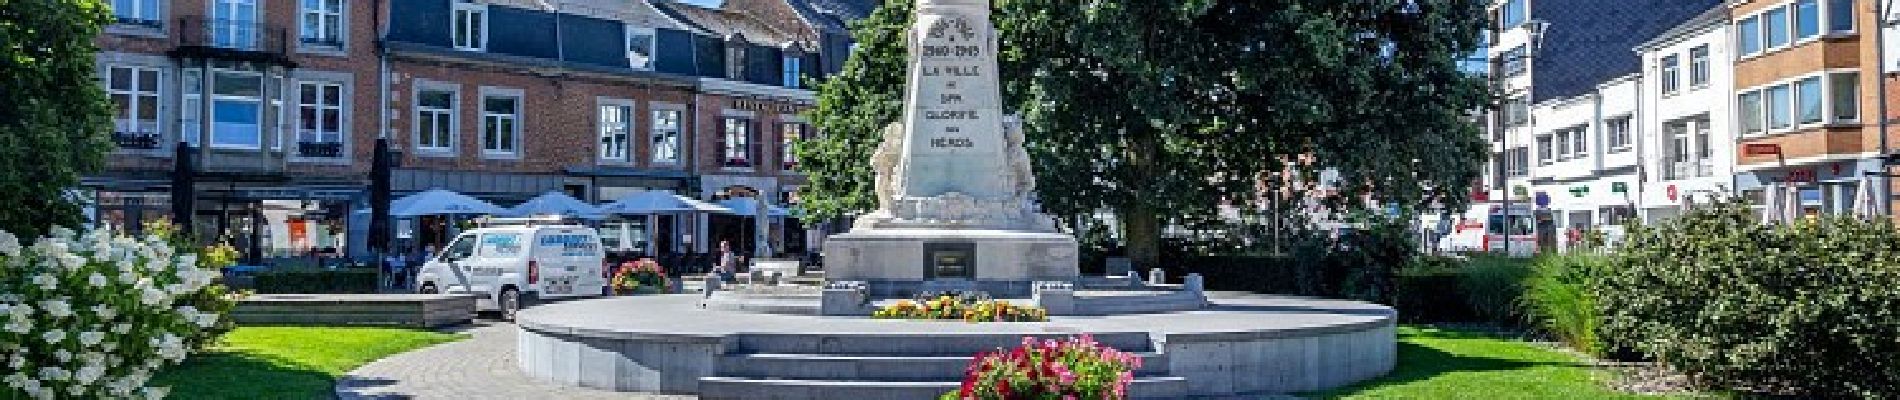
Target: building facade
1687, 86
500, 99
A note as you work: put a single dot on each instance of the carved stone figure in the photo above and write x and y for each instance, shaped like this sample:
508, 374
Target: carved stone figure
884, 162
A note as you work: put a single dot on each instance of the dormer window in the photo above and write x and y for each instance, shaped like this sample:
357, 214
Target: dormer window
470, 26
791, 67
735, 57
639, 48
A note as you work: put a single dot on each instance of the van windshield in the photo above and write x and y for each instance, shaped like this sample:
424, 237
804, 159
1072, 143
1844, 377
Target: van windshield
463, 247
1519, 225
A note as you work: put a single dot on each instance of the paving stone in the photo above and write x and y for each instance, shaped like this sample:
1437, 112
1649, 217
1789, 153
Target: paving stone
481, 367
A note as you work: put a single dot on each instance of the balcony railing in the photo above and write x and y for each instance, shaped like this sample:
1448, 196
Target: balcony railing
135, 140
141, 22
1688, 169
243, 39
320, 149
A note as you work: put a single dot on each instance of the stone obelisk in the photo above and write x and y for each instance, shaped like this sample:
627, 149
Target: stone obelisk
956, 208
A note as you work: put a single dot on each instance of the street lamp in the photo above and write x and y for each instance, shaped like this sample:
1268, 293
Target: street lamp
1535, 29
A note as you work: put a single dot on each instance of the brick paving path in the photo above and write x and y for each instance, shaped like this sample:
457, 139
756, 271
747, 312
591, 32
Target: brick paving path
481, 367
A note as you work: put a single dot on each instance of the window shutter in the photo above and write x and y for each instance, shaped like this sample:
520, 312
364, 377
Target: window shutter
752, 144
719, 144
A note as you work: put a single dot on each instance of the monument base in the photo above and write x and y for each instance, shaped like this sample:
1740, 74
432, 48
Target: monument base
903, 262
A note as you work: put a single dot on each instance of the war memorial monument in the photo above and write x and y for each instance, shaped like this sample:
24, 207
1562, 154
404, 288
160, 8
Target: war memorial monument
956, 213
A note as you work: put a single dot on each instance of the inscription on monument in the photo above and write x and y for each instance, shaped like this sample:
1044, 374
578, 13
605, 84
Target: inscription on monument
954, 117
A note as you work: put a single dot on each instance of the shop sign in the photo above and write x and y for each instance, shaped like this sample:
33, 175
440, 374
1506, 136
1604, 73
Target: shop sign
1801, 175
763, 105
1672, 193
1543, 199
1760, 149
1619, 187
1579, 191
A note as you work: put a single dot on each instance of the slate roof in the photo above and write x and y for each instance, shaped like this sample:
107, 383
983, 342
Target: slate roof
725, 24
1589, 41
833, 15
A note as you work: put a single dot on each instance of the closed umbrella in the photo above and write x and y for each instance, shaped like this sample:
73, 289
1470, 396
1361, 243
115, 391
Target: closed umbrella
442, 202
1771, 204
556, 203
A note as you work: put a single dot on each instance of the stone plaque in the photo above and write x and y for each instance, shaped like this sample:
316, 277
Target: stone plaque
954, 125
949, 260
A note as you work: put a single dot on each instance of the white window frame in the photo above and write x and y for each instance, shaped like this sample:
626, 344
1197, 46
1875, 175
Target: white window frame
452, 115
615, 147
1671, 74
153, 16
657, 132
1619, 135
263, 106
1791, 84
1700, 70
1545, 153
1827, 18
1579, 143
458, 37
652, 47
727, 150
337, 19
342, 130
1742, 36
138, 95
491, 148
788, 160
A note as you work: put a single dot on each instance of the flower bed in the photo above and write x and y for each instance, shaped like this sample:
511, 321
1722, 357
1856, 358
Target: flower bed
966, 307
640, 276
95, 315
1075, 368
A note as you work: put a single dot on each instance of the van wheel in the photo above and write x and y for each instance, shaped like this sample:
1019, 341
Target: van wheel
510, 303
428, 288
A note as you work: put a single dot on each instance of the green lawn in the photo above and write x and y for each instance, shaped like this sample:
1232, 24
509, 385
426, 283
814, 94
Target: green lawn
1445, 364
287, 362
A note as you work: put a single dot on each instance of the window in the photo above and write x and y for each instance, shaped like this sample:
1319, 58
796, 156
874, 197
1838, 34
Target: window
1563, 145
470, 23
1543, 150
1807, 19
134, 92
616, 127
1774, 26
1619, 134
1751, 112
791, 71
143, 13
501, 123
435, 119
1671, 81
666, 136
1511, 63
234, 24
1522, 164
1748, 34
1840, 16
323, 23
237, 107
1517, 112
1513, 14
1846, 88
319, 119
1703, 150
735, 60
1678, 151
737, 135
790, 133
1779, 107
1579, 140
639, 48
1809, 100
1699, 66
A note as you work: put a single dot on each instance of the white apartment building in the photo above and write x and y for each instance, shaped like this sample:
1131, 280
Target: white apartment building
1586, 172
1688, 82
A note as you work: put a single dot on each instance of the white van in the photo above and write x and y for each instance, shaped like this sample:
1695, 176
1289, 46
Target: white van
1491, 228
512, 266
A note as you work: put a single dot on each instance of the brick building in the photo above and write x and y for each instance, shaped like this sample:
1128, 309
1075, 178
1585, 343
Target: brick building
499, 99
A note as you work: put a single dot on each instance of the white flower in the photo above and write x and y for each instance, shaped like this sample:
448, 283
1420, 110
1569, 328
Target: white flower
121, 328
58, 308
20, 326
110, 346
188, 260
206, 320
29, 384
97, 280
169, 346
128, 277
70, 261
63, 355
54, 336
156, 393
54, 374
20, 311
87, 374
16, 380
91, 338
18, 362
76, 390
104, 312
152, 296
61, 232
175, 289
47, 282
9, 244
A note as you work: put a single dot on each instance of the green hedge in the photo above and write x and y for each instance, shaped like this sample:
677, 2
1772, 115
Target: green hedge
317, 281
1811, 310
1561, 298
1482, 289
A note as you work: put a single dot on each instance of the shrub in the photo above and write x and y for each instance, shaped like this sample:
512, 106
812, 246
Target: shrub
1560, 297
1076, 368
94, 316
1482, 289
1809, 309
633, 275
966, 307
317, 281
1493, 287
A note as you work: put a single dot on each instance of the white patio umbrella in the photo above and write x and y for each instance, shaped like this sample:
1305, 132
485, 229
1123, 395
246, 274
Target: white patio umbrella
441, 202
556, 203
659, 202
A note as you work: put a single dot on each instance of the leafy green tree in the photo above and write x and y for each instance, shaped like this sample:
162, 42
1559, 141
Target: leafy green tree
55, 120
1163, 111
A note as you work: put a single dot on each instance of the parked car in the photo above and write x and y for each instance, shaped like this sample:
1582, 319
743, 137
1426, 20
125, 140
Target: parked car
511, 267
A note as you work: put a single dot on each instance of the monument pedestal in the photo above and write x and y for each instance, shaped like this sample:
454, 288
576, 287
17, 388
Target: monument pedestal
903, 262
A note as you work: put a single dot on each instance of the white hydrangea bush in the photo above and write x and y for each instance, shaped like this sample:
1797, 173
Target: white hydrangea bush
96, 315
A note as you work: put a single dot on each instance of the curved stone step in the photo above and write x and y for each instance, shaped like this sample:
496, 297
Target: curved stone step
866, 367
714, 388
949, 344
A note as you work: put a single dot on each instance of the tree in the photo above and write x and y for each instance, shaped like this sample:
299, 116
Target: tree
1162, 112
54, 116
